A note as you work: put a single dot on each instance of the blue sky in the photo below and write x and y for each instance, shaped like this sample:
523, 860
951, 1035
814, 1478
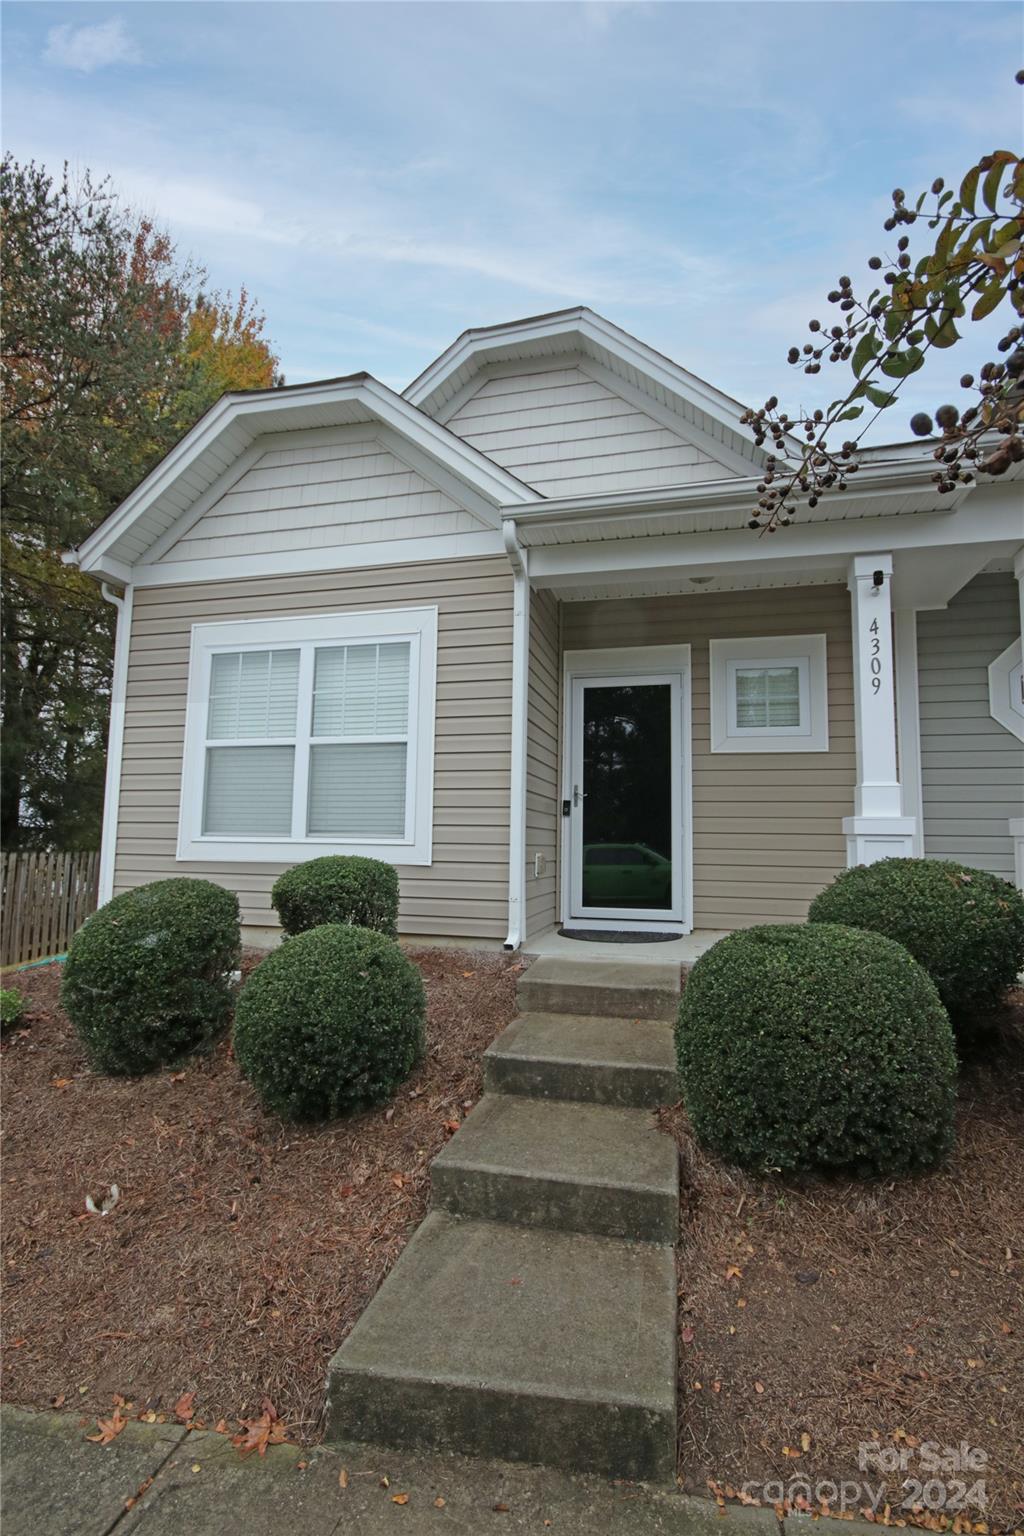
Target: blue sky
384, 175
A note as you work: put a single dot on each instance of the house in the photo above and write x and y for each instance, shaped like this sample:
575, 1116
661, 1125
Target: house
510, 631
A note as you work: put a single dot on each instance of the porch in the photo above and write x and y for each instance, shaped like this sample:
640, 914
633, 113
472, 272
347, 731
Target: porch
779, 681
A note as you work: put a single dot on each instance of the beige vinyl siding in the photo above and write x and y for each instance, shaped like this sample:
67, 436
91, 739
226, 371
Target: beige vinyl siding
543, 735
566, 434
972, 768
338, 486
464, 892
767, 827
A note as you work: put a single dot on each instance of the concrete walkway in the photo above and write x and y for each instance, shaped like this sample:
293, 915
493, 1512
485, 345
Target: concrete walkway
532, 1316
55, 1483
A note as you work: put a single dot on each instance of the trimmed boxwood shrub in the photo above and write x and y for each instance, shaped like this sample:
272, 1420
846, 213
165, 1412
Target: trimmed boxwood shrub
341, 888
965, 926
148, 976
330, 1022
816, 1047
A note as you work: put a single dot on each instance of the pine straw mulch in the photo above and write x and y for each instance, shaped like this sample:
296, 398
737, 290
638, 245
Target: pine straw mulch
241, 1250
849, 1312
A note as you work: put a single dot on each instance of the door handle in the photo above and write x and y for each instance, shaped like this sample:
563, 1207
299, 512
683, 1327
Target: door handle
578, 794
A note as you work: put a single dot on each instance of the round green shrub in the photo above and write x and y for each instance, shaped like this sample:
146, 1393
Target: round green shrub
341, 888
148, 976
330, 1022
12, 1006
816, 1047
965, 926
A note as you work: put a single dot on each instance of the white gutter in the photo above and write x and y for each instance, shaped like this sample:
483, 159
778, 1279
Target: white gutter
520, 694
115, 739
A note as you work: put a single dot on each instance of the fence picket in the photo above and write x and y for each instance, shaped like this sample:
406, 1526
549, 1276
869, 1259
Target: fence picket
46, 898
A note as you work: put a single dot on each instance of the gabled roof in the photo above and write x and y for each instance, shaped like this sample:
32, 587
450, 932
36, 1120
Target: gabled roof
714, 414
211, 449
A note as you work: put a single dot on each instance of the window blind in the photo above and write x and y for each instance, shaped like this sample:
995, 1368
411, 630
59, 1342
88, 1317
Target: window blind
253, 693
767, 696
248, 791
357, 789
361, 690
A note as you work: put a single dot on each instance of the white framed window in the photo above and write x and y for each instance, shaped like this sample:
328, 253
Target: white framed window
311, 735
769, 695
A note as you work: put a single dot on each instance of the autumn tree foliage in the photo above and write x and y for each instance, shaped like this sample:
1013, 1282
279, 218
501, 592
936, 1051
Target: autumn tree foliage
110, 350
971, 264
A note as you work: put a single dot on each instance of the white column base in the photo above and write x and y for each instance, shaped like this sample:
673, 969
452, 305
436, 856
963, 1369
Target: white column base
870, 838
1017, 833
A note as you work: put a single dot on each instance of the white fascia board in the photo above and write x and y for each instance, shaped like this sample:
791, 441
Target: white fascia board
467, 463
566, 565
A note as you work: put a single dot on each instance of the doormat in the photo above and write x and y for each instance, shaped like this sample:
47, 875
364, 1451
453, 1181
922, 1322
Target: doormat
616, 936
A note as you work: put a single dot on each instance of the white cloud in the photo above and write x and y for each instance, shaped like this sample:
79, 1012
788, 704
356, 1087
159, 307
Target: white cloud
90, 48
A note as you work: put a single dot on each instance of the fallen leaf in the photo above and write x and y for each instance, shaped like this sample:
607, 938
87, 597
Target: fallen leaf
62, 1082
741, 1301
261, 1432
399, 1498
397, 1180
385, 1482
109, 1429
500, 1509
302, 1465
439, 1503
451, 1126
469, 973
343, 1478
345, 1191
805, 1441
58, 1401
787, 1450
196, 1467
734, 1272
184, 1408
176, 1077
758, 1387
221, 1427
716, 1386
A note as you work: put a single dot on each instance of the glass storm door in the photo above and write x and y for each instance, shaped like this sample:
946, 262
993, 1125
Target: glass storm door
626, 800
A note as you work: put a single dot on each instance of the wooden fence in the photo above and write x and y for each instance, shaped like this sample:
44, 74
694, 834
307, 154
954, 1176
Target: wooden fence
46, 897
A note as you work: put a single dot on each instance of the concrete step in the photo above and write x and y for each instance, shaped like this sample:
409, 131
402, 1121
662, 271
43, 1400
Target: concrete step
608, 987
517, 1342
578, 1167
627, 1062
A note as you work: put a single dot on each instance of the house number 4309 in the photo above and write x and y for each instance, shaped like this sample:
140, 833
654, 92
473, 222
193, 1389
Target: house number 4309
876, 656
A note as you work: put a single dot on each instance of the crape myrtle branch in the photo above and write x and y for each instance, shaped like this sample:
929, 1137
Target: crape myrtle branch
975, 261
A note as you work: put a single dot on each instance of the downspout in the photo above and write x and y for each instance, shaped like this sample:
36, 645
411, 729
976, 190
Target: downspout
115, 739
520, 693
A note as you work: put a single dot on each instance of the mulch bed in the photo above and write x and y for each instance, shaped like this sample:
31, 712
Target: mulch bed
813, 1315
888, 1311
241, 1250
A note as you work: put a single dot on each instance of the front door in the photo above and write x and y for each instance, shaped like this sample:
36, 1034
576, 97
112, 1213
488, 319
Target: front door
625, 800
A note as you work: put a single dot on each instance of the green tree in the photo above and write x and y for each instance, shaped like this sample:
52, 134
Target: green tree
100, 371
973, 262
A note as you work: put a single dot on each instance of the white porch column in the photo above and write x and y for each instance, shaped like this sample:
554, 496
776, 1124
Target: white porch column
1017, 822
877, 829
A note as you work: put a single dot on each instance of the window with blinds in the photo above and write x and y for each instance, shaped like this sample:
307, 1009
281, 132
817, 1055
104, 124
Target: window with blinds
769, 694
767, 697
358, 757
311, 735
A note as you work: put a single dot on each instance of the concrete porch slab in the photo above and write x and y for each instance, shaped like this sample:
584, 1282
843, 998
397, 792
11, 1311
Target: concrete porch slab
682, 951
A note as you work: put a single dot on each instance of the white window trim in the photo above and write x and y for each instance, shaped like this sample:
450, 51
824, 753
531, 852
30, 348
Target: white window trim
808, 654
1006, 690
418, 626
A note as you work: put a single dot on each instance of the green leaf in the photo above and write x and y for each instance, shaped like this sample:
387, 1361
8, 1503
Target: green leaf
880, 397
990, 186
903, 363
942, 333
991, 298
969, 188
867, 349
853, 412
